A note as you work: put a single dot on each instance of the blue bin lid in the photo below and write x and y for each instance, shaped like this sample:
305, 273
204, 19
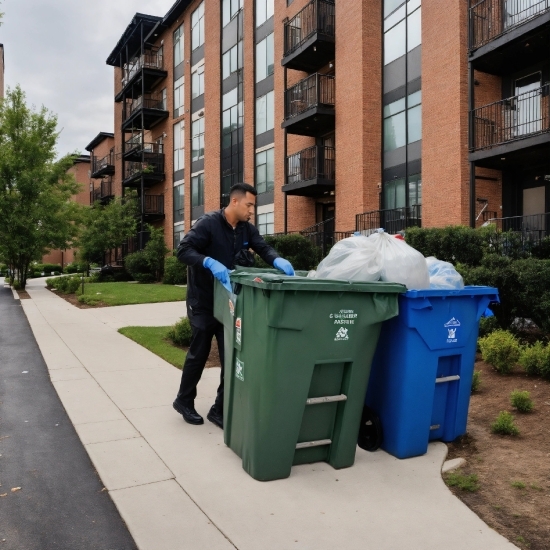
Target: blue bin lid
444, 293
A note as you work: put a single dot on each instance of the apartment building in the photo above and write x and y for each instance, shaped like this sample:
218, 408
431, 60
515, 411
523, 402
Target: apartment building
345, 116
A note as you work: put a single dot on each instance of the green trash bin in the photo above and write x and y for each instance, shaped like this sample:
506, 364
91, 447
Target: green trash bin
298, 353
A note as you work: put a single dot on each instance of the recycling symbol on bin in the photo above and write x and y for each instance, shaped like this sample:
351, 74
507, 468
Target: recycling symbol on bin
342, 334
451, 327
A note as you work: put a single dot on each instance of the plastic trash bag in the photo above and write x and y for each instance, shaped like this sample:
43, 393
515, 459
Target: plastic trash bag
401, 263
352, 259
443, 275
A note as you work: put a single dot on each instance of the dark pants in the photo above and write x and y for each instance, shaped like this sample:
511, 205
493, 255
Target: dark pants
204, 327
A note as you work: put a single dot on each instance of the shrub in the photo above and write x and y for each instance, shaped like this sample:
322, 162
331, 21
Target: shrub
73, 268
521, 401
155, 252
73, 284
462, 481
542, 249
47, 268
476, 381
297, 249
88, 300
504, 424
487, 325
137, 264
175, 272
501, 350
181, 332
545, 365
532, 358
518, 484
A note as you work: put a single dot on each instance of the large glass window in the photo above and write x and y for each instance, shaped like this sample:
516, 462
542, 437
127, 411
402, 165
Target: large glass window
197, 132
178, 145
264, 10
163, 105
395, 194
414, 30
265, 171
415, 190
178, 234
178, 97
178, 46
178, 203
232, 60
232, 117
414, 118
230, 8
265, 223
264, 58
402, 125
197, 27
402, 28
197, 82
265, 113
197, 190
394, 43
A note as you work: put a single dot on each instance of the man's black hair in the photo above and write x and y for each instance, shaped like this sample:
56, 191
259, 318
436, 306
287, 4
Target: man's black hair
242, 189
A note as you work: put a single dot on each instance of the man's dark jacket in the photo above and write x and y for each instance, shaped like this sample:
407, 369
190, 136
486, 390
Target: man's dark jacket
213, 236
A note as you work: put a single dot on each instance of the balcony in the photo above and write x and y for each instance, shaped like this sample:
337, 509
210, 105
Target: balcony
134, 148
309, 37
309, 106
103, 166
311, 172
148, 67
512, 125
150, 169
153, 208
503, 32
142, 113
391, 220
102, 192
519, 235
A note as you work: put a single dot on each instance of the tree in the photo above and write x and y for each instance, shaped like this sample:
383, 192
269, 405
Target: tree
36, 213
155, 251
107, 227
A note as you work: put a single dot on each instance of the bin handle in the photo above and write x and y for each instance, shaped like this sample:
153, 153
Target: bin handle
422, 303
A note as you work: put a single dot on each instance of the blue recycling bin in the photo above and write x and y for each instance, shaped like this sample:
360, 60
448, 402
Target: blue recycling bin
422, 370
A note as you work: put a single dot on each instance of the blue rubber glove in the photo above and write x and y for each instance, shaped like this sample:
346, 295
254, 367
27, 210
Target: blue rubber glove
219, 271
283, 265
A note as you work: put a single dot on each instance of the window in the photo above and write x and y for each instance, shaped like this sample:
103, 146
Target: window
401, 125
178, 46
394, 43
402, 29
394, 194
178, 97
232, 117
414, 117
197, 82
415, 190
197, 190
265, 223
265, 171
414, 30
197, 27
265, 113
178, 146
178, 203
232, 60
197, 132
230, 9
264, 10
178, 234
163, 104
264, 58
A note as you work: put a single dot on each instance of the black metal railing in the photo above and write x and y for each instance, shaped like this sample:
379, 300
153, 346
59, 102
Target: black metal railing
152, 165
534, 226
152, 59
311, 163
154, 205
391, 220
106, 188
104, 162
510, 119
135, 144
313, 91
128, 247
95, 194
492, 18
147, 101
315, 17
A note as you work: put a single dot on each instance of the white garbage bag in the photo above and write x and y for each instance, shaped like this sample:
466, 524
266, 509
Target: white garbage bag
401, 263
352, 259
443, 275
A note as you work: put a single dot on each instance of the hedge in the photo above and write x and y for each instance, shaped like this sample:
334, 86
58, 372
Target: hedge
297, 249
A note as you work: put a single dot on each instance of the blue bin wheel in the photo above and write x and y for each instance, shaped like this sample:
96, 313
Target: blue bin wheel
370, 431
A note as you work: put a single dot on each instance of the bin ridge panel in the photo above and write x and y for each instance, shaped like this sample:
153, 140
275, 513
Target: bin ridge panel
291, 340
422, 370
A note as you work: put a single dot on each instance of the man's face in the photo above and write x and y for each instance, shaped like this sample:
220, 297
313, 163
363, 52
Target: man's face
244, 206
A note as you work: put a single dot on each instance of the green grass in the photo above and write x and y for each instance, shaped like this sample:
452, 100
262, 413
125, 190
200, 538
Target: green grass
121, 294
518, 484
154, 339
462, 481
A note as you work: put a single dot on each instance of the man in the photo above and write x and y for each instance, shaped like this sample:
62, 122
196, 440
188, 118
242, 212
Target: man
216, 243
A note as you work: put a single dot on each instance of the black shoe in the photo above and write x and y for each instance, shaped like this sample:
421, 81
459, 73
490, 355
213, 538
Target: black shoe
215, 417
190, 415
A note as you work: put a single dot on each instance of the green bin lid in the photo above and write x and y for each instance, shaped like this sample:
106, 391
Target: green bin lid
273, 280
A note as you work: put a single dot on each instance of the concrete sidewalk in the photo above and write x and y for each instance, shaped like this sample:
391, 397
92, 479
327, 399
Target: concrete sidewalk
179, 487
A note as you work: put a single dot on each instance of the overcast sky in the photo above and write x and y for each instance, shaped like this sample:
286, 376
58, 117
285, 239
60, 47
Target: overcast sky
56, 51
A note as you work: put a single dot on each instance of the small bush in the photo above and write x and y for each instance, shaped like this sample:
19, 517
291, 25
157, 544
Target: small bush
476, 381
73, 284
533, 358
175, 272
504, 424
518, 484
137, 264
89, 300
72, 268
465, 482
501, 350
181, 332
488, 325
521, 401
16, 285
47, 268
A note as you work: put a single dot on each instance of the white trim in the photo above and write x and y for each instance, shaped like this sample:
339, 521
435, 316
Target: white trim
197, 65
265, 148
195, 116
265, 209
193, 174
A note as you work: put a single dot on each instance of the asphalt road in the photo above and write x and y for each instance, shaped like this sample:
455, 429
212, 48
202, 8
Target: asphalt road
61, 504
